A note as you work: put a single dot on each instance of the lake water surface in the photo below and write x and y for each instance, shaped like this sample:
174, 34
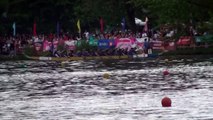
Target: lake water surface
34, 90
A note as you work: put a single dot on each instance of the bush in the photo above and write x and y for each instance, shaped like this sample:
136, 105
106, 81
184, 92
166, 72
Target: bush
190, 51
30, 51
45, 54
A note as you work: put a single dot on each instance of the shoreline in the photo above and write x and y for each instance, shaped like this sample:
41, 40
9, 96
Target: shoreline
166, 56
179, 53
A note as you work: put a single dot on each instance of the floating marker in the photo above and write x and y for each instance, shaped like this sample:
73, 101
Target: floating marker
106, 75
166, 102
165, 72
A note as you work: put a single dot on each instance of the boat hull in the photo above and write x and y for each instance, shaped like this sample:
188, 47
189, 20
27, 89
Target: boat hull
123, 57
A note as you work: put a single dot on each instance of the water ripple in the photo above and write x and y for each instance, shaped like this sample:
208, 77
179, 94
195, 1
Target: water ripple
78, 90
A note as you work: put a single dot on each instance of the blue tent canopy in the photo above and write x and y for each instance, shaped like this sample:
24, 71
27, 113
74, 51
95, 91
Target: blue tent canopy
106, 43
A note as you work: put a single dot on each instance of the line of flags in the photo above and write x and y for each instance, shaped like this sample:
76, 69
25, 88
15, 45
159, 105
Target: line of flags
34, 29
101, 25
14, 29
79, 26
123, 25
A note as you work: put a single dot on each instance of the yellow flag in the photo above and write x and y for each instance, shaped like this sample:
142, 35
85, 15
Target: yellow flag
79, 27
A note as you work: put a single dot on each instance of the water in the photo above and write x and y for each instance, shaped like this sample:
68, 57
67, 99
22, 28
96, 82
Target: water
77, 90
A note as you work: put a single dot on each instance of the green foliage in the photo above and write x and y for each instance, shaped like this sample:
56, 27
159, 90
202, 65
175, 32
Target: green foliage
47, 12
84, 45
45, 54
60, 47
29, 51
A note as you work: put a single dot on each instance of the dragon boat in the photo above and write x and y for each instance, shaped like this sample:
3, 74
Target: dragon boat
87, 58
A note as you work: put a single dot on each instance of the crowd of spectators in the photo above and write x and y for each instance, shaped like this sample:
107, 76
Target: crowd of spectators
10, 45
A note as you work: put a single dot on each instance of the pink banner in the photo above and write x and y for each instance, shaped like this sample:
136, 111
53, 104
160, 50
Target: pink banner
171, 46
55, 44
157, 45
124, 43
185, 40
140, 41
46, 45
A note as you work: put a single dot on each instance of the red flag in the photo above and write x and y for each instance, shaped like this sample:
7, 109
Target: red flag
34, 29
102, 25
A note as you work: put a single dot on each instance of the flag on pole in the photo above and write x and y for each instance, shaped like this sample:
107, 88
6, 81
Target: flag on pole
34, 29
123, 24
58, 29
14, 29
145, 29
146, 20
101, 25
79, 26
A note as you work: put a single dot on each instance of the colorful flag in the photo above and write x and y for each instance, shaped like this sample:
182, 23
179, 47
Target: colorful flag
34, 29
102, 25
14, 29
146, 20
58, 29
145, 29
123, 24
79, 26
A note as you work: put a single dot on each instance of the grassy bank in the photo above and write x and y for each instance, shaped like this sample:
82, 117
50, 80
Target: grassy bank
190, 51
12, 58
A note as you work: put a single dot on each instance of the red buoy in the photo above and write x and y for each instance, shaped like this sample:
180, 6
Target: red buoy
165, 72
166, 102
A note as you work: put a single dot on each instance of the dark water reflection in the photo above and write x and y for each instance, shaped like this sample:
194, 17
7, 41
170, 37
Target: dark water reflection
78, 91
